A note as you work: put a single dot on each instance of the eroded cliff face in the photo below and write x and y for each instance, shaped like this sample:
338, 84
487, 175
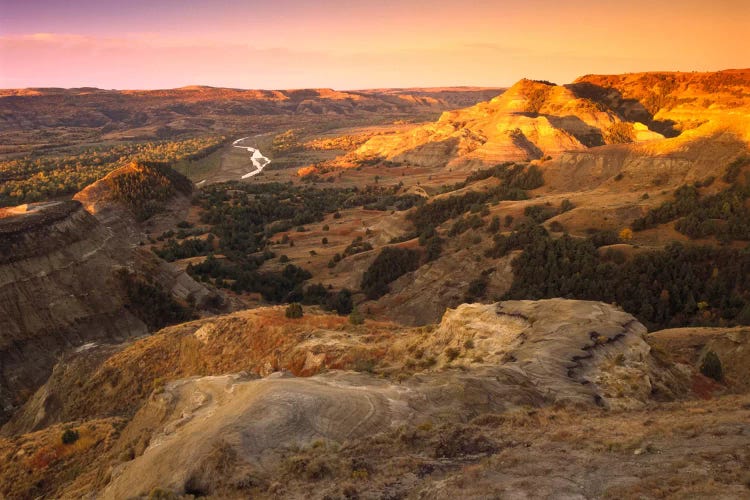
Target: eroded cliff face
58, 290
529, 121
124, 217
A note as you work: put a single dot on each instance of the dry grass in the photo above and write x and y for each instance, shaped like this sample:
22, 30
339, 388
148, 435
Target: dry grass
257, 341
676, 450
37, 464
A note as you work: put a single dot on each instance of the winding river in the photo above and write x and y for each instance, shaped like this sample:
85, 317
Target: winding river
259, 161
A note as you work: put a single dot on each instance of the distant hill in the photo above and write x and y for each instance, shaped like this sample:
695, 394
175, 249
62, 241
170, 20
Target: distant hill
141, 187
530, 120
635, 114
669, 102
162, 113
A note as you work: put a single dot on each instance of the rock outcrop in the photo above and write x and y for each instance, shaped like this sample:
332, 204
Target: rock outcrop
529, 121
421, 297
59, 281
691, 345
652, 130
57, 291
486, 359
705, 118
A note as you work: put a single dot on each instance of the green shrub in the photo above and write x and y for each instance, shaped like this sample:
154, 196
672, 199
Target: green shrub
69, 436
294, 311
356, 318
150, 303
161, 494
566, 206
451, 353
477, 289
365, 365
733, 170
390, 264
743, 318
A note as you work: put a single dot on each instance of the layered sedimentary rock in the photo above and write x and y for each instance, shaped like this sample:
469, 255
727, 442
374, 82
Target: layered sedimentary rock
57, 291
529, 121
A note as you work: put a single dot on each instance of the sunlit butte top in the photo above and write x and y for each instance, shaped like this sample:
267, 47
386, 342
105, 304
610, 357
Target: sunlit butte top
349, 44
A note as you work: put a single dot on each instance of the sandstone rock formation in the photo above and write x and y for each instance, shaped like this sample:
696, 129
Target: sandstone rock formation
59, 284
529, 121
57, 291
704, 116
651, 130
488, 359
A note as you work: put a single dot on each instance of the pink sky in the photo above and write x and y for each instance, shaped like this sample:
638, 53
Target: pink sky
354, 44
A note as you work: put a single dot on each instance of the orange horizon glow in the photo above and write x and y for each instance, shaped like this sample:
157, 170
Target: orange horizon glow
355, 45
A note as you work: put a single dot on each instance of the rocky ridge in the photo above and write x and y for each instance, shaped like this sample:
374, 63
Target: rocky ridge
57, 291
529, 121
481, 359
60, 275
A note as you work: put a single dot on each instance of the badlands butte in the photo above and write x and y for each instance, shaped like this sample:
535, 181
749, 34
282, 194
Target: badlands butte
534, 292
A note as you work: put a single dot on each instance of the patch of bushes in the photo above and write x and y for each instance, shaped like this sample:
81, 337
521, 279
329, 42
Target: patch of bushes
356, 318
294, 311
192, 247
451, 353
70, 436
525, 234
724, 215
390, 264
516, 179
274, 286
604, 238
539, 213
462, 441
463, 224
317, 294
357, 246
477, 289
733, 170
677, 286
150, 303
147, 186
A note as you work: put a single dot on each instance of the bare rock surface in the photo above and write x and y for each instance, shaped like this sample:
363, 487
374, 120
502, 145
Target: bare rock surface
422, 297
57, 291
488, 359
59, 286
530, 120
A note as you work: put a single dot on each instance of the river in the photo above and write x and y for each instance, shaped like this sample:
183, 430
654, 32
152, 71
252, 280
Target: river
259, 161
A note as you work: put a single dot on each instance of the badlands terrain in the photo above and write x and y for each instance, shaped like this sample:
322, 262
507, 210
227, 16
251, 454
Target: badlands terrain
536, 292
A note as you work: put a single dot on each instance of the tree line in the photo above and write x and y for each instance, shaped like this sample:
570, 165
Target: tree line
681, 285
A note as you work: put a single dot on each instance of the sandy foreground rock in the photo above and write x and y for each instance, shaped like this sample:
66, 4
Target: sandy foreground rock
488, 359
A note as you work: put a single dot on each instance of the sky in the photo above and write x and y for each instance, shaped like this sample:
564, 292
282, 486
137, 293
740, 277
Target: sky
353, 44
